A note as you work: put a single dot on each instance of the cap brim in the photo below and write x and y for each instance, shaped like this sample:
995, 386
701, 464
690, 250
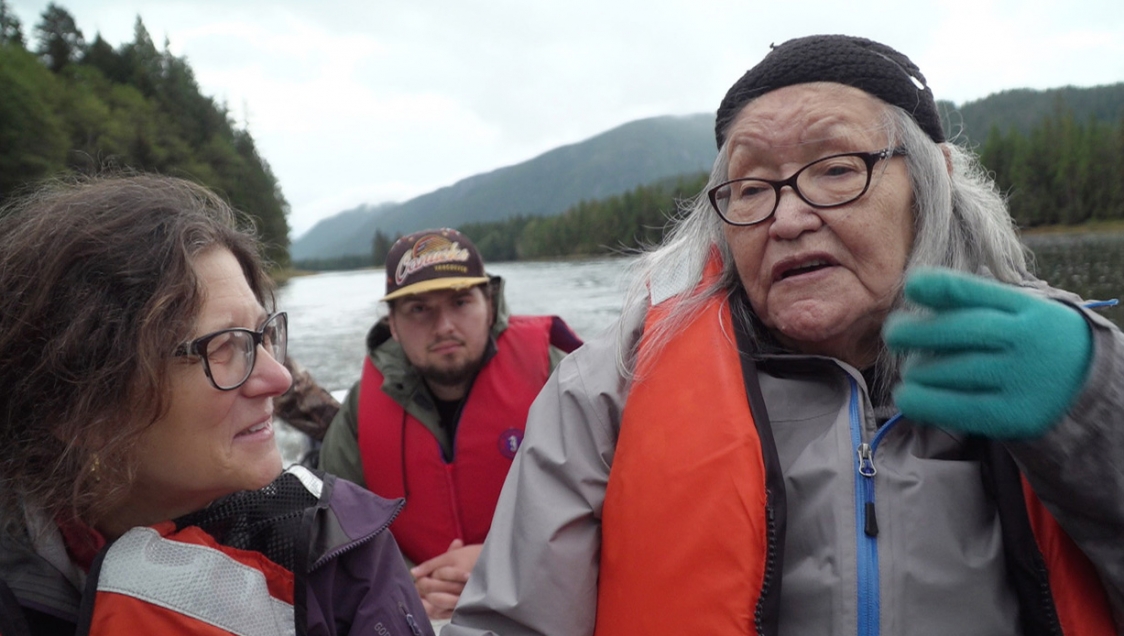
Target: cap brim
435, 284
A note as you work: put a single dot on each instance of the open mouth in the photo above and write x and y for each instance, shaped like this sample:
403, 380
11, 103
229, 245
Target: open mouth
804, 268
256, 428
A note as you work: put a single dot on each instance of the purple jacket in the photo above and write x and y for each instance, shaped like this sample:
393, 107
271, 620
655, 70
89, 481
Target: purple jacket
357, 581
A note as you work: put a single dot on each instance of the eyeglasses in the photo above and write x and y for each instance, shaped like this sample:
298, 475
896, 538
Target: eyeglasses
229, 355
825, 183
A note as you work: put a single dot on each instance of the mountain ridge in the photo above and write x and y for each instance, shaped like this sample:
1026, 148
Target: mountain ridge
638, 153
622, 158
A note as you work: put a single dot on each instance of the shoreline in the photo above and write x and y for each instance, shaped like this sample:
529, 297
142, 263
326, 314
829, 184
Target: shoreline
1112, 226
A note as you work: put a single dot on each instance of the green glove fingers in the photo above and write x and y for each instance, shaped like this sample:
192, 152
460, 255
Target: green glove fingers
969, 372
967, 329
989, 359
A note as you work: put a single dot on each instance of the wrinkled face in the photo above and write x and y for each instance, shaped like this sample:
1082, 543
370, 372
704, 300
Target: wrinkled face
444, 334
211, 443
822, 280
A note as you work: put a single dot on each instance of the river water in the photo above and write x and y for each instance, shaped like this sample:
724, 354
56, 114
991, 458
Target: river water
330, 313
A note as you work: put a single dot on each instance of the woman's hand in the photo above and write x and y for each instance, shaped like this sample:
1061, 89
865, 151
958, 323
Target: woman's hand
441, 579
990, 359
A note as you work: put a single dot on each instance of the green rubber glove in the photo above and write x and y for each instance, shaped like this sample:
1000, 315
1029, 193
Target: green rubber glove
991, 360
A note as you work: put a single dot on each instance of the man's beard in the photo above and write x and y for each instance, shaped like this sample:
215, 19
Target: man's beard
459, 375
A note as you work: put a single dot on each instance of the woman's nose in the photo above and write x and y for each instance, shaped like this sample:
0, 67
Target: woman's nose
793, 216
269, 376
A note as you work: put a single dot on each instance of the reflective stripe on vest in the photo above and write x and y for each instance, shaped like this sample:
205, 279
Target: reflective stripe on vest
446, 501
160, 581
684, 523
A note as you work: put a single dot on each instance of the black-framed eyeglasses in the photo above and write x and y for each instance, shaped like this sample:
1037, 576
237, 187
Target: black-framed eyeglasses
229, 355
829, 182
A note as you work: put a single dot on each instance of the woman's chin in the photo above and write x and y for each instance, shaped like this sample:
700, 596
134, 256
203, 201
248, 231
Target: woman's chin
264, 470
837, 337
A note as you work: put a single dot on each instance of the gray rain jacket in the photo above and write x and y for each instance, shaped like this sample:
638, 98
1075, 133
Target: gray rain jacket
941, 567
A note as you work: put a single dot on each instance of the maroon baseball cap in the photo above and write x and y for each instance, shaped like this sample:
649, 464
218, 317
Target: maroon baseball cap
432, 259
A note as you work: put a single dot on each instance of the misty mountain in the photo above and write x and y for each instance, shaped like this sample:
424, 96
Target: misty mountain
636, 153
641, 153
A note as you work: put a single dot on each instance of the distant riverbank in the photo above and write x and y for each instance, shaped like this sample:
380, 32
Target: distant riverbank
1115, 226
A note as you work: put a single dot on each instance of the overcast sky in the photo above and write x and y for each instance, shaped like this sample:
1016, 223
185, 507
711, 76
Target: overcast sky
357, 102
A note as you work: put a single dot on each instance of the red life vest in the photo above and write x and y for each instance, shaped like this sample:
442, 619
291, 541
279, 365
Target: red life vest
693, 446
160, 580
401, 457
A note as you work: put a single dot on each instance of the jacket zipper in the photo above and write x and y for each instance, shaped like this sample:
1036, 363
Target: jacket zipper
770, 567
866, 522
410, 620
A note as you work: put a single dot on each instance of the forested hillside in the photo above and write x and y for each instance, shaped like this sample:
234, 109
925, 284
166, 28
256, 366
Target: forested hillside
1063, 171
72, 106
1062, 168
1024, 109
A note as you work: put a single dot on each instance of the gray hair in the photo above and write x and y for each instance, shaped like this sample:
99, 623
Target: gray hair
961, 222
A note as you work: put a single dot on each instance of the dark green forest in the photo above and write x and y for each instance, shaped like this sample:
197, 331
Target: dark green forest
1064, 171
614, 225
72, 106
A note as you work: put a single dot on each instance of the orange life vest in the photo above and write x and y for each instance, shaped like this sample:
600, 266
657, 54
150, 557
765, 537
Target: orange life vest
159, 580
1079, 597
695, 438
401, 457
686, 522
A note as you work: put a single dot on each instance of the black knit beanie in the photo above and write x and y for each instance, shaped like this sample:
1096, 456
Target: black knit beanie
858, 62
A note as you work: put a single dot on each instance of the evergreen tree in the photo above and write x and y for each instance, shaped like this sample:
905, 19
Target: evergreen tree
60, 40
143, 62
380, 247
33, 143
102, 56
11, 31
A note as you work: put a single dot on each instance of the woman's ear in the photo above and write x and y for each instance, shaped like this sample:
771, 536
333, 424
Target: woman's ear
947, 157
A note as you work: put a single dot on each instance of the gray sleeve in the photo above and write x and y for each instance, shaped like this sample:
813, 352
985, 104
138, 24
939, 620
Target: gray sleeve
538, 570
1077, 469
339, 451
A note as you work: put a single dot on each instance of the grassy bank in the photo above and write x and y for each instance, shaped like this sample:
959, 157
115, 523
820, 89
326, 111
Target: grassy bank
1113, 226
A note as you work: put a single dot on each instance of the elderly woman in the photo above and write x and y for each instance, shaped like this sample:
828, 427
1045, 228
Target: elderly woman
141, 488
762, 448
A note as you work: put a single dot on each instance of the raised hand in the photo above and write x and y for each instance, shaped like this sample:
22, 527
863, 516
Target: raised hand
991, 359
